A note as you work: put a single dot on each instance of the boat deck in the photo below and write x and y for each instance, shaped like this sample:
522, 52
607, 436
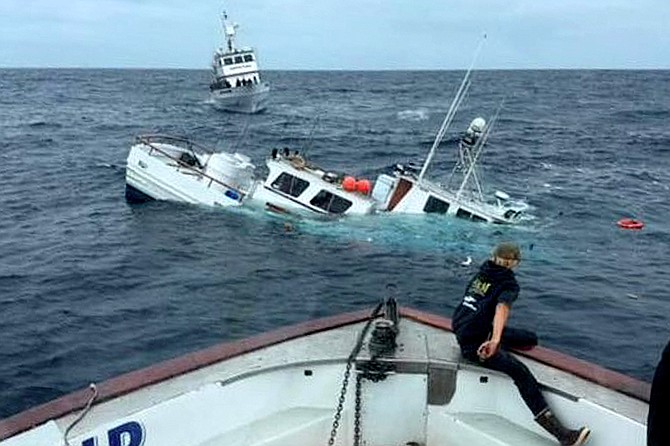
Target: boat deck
282, 389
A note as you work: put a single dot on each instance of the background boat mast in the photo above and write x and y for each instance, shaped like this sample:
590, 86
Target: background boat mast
229, 29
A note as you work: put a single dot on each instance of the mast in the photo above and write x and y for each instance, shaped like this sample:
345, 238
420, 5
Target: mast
229, 30
473, 161
460, 95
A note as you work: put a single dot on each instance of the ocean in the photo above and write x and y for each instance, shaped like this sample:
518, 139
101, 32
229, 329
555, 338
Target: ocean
92, 286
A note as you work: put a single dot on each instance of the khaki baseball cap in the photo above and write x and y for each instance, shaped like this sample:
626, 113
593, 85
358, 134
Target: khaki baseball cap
507, 250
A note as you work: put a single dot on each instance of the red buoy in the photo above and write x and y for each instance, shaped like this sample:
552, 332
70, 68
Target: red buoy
349, 184
363, 187
630, 223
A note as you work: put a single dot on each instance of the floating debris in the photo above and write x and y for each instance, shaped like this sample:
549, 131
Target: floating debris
467, 262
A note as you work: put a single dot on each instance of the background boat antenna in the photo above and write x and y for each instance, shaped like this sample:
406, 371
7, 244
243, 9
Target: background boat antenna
229, 30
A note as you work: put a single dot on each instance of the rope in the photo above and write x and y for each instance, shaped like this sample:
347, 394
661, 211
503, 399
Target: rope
94, 389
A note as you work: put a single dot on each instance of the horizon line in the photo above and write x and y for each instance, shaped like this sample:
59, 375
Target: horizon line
339, 69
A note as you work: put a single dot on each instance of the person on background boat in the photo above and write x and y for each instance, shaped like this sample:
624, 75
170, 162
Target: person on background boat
658, 430
479, 324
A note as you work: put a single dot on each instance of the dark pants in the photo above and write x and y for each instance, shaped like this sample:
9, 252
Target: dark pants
504, 362
658, 432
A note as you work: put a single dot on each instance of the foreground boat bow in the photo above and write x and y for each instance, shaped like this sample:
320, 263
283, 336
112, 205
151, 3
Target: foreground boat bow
288, 387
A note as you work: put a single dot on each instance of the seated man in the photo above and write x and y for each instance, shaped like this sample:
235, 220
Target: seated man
479, 324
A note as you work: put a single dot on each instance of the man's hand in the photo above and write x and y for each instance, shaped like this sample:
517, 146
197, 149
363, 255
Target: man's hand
488, 349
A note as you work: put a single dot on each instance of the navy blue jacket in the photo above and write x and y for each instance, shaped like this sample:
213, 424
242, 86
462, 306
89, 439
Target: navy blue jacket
473, 318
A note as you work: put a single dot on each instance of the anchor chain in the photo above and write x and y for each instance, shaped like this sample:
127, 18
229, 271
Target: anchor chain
347, 373
375, 370
357, 412
382, 343
340, 405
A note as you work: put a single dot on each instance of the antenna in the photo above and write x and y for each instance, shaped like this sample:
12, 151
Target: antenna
460, 95
229, 31
242, 137
478, 150
310, 137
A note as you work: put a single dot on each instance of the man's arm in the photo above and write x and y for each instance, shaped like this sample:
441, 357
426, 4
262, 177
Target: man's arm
490, 347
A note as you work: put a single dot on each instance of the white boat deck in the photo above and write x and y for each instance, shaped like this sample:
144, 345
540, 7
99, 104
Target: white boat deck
480, 429
295, 426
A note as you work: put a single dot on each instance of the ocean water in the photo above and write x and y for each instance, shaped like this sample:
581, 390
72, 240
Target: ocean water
92, 286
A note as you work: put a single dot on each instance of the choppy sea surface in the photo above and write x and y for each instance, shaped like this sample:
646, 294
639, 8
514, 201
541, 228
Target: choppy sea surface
92, 286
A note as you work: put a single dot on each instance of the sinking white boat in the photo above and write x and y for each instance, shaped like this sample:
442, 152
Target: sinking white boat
236, 81
295, 185
408, 191
362, 378
163, 167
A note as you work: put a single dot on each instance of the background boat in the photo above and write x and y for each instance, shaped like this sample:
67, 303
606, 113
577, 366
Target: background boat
236, 84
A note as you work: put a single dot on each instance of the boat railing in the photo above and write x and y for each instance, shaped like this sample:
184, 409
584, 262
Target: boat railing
151, 141
189, 144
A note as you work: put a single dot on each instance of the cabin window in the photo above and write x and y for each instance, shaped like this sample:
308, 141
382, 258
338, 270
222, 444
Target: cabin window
228, 61
468, 216
238, 59
248, 58
511, 213
330, 202
463, 214
436, 206
290, 184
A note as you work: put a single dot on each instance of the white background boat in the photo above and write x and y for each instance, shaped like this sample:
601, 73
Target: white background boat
236, 82
333, 381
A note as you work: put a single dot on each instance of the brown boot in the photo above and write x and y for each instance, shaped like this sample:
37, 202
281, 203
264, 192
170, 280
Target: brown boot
565, 436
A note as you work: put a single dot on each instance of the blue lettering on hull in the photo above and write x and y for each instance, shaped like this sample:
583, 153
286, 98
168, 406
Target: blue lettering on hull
127, 434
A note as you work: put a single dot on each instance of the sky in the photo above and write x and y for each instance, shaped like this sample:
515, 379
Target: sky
339, 34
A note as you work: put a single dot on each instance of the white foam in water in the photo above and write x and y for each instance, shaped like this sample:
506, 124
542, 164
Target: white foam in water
413, 115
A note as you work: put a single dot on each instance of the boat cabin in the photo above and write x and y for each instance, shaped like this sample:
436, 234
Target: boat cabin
294, 185
403, 192
236, 69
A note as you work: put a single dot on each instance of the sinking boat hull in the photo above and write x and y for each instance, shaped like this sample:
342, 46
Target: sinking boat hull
155, 172
281, 388
134, 195
404, 194
246, 99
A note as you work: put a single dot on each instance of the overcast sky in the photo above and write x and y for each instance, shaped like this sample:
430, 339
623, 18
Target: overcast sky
338, 34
